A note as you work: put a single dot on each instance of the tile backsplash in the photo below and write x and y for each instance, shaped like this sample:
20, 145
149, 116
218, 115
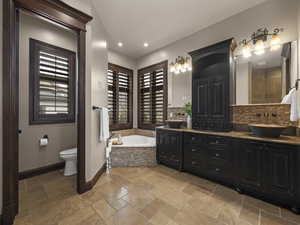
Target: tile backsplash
176, 113
245, 114
263, 113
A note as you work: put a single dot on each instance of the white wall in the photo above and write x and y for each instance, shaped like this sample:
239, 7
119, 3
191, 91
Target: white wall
96, 70
126, 61
275, 13
242, 82
99, 62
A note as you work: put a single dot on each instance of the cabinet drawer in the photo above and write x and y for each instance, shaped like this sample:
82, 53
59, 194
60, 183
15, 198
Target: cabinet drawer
220, 153
218, 167
193, 164
191, 138
216, 142
194, 149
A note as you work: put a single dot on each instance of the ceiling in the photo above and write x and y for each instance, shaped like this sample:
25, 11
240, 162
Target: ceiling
161, 22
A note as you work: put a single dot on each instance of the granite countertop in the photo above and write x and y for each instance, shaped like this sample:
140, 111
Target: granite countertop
243, 135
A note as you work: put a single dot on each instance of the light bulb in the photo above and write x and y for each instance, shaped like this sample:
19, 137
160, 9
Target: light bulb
259, 48
275, 42
247, 51
120, 44
172, 68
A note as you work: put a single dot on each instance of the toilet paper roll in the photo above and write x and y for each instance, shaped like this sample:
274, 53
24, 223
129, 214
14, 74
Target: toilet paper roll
43, 141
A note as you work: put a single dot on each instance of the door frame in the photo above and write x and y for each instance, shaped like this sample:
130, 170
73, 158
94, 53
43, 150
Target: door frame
63, 14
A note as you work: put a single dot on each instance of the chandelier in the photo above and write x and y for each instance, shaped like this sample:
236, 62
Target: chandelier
181, 65
258, 42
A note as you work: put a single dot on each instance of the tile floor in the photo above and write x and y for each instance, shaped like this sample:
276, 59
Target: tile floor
142, 196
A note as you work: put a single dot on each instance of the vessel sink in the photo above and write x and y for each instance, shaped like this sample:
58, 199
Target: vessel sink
267, 130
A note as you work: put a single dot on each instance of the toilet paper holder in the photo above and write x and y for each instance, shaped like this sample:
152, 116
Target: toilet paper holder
44, 141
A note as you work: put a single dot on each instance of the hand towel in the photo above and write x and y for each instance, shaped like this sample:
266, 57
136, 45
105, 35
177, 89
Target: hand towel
293, 98
104, 124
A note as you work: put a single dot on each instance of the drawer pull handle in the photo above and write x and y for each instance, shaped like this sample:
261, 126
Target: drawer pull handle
217, 155
193, 138
217, 170
194, 150
194, 163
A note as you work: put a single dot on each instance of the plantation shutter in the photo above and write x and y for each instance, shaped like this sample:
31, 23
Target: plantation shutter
120, 94
152, 92
52, 84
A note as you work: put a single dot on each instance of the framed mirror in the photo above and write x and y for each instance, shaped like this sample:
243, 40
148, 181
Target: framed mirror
266, 78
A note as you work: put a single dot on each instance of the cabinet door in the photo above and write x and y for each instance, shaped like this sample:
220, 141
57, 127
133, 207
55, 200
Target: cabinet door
169, 148
281, 170
201, 98
217, 98
250, 156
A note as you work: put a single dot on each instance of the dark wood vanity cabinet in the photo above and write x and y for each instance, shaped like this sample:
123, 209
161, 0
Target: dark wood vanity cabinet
282, 170
169, 148
212, 86
264, 169
250, 164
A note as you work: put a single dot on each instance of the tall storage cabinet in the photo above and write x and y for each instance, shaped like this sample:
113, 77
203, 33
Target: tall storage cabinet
213, 87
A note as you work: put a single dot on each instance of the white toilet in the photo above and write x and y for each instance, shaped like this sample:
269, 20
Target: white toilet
70, 157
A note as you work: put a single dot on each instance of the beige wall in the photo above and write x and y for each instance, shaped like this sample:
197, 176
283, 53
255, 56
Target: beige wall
61, 136
270, 14
126, 61
96, 92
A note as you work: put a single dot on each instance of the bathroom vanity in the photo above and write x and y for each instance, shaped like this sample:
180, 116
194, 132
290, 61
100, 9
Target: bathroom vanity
263, 167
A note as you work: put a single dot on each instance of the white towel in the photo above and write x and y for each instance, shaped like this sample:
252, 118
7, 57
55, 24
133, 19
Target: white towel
293, 98
104, 124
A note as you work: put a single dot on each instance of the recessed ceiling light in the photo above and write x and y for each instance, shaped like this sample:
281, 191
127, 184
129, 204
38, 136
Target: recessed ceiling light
146, 45
120, 44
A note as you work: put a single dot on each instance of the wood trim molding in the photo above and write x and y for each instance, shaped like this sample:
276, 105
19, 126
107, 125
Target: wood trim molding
41, 170
91, 184
56, 11
65, 15
81, 179
10, 112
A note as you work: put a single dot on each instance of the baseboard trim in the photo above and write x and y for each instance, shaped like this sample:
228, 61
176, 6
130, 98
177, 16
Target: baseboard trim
41, 170
90, 184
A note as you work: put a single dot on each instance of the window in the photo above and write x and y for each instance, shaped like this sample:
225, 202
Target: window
153, 95
52, 84
120, 97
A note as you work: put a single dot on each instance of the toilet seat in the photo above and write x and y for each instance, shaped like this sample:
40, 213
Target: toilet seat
72, 151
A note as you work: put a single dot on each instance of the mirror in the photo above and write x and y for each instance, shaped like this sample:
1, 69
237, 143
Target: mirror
266, 78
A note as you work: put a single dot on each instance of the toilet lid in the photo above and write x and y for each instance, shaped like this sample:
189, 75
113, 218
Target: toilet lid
69, 151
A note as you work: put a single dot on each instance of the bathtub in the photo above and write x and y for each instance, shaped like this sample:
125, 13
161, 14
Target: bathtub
137, 141
136, 150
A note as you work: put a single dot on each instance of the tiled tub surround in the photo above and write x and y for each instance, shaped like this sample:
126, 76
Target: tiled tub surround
137, 150
147, 133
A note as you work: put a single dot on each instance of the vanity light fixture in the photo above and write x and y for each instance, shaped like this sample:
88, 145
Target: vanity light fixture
181, 65
258, 42
120, 44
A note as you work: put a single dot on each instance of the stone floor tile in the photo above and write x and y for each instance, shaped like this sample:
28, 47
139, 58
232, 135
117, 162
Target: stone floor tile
267, 207
249, 214
290, 216
104, 209
271, 219
129, 216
